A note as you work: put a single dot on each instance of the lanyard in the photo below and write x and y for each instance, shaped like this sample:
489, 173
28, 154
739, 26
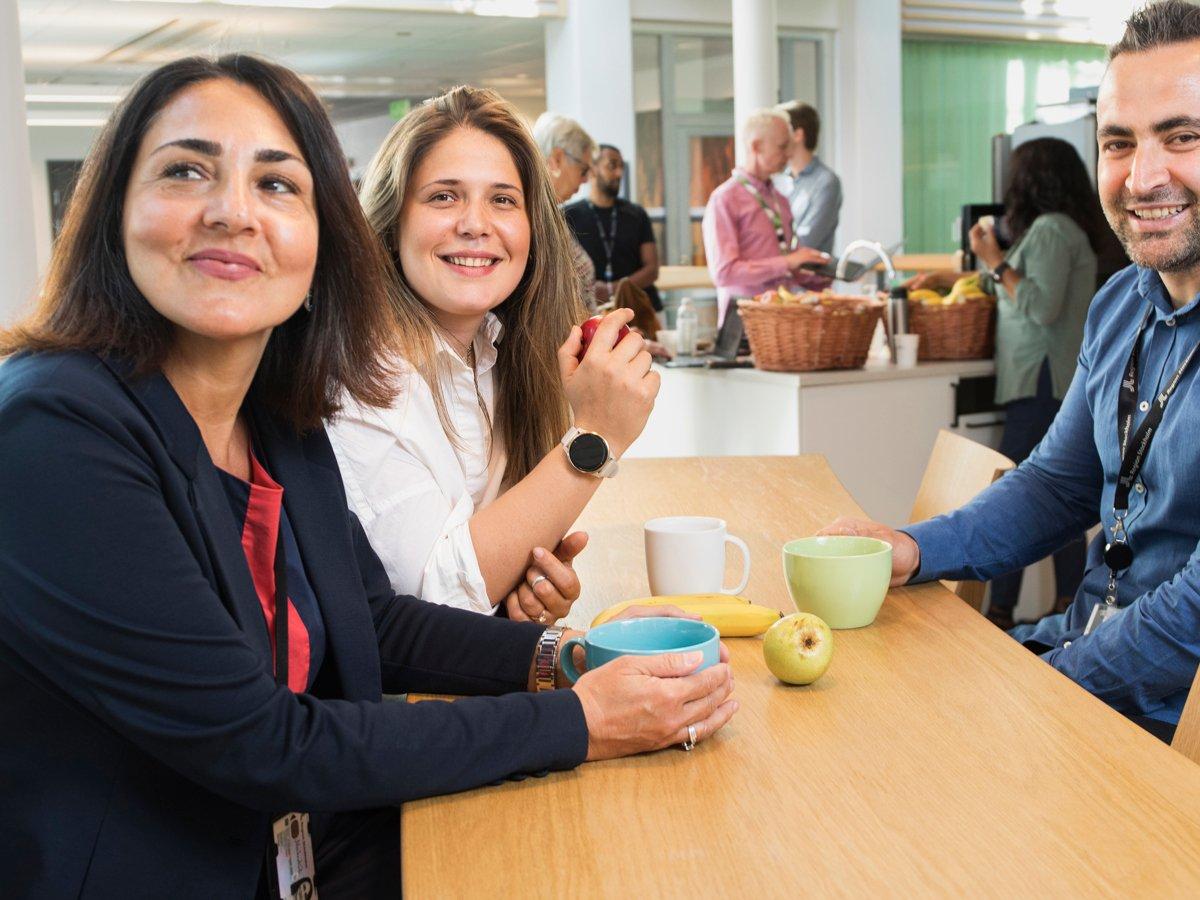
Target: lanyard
608, 240
772, 215
1135, 446
280, 625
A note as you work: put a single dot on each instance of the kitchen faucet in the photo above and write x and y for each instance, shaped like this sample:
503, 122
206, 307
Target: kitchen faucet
876, 248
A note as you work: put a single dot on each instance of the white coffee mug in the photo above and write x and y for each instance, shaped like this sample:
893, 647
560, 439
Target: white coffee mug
686, 555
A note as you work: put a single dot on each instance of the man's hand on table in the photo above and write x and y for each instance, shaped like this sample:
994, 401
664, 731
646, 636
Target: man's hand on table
906, 555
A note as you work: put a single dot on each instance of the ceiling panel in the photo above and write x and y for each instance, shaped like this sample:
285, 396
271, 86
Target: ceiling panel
346, 51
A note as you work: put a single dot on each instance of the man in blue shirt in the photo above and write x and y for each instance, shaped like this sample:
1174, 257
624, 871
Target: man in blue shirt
1142, 657
813, 191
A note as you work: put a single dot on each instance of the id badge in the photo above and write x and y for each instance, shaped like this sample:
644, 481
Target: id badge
294, 863
1101, 613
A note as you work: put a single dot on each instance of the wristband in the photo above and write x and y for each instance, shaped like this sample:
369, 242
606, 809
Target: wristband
545, 660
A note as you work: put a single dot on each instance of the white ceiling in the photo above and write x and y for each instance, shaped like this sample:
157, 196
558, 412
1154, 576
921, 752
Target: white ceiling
358, 59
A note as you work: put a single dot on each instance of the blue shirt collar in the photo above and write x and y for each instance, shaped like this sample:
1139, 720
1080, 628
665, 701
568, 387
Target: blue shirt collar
1150, 286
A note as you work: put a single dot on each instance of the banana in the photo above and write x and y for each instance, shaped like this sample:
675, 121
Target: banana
732, 615
924, 295
739, 620
669, 600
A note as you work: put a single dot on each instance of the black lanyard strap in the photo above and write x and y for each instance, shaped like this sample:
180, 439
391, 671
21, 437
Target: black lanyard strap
609, 241
280, 624
1136, 446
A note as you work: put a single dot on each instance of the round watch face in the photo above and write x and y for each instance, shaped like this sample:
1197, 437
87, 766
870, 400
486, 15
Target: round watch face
588, 452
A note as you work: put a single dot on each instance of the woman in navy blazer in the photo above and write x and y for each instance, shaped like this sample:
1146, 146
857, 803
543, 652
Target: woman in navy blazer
156, 715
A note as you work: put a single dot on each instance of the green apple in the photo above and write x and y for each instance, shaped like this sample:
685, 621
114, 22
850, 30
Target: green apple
798, 648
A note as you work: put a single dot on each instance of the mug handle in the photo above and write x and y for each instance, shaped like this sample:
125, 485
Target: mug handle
741, 545
566, 658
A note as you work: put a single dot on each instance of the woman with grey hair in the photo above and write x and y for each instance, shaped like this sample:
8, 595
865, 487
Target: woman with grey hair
568, 150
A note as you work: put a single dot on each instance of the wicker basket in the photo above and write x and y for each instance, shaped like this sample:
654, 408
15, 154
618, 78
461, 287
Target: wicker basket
959, 331
833, 334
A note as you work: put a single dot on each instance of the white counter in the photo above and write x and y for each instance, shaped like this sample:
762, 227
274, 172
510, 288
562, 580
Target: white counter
875, 425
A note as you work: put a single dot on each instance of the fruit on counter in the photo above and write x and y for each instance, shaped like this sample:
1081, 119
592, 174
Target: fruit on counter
798, 648
589, 331
925, 295
731, 615
966, 288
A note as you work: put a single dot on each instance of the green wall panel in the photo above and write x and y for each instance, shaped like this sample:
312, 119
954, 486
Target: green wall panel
956, 95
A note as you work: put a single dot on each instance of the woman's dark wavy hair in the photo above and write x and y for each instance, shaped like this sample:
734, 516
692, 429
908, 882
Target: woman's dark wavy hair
1047, 176
90, 302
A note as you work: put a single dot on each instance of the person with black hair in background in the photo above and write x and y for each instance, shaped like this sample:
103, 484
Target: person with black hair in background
1044, 282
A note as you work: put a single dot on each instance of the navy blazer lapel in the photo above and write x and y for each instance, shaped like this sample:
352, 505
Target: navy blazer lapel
314, 499
175, 426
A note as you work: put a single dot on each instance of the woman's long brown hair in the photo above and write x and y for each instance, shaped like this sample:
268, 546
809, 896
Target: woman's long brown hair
531, 406
90, 302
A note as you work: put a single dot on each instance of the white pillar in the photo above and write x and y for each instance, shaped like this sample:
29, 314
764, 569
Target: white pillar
755, 60
589, 72
870, 132
18, 256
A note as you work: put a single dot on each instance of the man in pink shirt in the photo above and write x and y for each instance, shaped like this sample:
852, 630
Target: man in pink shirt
748, 224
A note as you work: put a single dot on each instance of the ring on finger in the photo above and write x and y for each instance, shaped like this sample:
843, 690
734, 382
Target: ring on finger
690, 743
542, 618
538, 581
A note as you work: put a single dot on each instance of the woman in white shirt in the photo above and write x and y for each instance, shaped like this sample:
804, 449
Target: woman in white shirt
463, 485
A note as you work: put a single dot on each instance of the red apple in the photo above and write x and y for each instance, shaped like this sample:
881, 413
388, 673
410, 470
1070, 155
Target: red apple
589, 331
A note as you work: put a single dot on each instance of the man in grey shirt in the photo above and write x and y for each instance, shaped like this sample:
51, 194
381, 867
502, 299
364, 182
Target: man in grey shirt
814, 192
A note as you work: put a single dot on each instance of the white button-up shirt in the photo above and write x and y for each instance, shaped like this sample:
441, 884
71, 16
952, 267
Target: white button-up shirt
414, 489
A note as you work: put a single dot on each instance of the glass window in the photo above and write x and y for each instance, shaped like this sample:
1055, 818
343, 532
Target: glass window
710, 160
648, 116
800, 71
956, 95
703, 75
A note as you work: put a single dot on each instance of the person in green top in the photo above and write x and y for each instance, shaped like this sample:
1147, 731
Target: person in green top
1044, 284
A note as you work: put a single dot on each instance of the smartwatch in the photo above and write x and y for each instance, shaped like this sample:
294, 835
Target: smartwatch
588, 453
998, 272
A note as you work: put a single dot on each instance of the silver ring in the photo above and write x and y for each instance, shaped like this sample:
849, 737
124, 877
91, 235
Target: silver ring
537, 581
690, 743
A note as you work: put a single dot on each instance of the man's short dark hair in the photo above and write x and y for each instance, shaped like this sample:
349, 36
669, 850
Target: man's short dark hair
804, 116
600, 148
1158, 25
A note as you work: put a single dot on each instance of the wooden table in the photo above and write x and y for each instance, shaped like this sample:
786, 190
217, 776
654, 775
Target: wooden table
936, 756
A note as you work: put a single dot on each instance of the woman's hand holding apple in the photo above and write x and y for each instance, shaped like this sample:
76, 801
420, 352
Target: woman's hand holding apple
906, 555
612, 389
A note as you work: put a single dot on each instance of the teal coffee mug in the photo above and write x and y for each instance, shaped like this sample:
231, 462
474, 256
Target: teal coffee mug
642, 637
840, 578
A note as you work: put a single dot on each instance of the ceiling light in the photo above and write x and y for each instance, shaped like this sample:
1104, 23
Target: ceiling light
64, 123
98, 99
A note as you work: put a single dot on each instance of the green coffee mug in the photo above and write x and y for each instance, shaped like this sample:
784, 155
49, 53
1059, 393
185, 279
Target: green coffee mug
840, 578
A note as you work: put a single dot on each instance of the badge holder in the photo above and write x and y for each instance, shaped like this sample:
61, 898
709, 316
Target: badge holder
295, 866
1118, 556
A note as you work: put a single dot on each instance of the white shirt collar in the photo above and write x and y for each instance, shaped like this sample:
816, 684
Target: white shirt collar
486, 338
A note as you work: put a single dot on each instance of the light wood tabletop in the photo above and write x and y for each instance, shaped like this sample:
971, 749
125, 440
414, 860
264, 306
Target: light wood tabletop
936, 756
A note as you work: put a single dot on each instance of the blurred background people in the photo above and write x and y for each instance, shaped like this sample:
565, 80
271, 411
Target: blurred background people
568, 149
615, 232
812, 189
1053, 227
747, 225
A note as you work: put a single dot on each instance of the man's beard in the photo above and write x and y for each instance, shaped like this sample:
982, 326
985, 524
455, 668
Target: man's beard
1174, 251
610, 188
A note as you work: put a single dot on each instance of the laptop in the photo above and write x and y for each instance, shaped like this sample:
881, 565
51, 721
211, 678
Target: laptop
730, 351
